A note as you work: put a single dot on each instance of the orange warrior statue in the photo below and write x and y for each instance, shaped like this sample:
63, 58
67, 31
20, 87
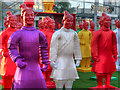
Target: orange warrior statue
8, 67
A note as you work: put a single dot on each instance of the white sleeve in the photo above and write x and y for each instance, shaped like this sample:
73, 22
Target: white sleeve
54, 47
77, 49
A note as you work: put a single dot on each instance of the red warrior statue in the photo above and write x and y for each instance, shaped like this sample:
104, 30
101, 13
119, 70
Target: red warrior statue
104, 53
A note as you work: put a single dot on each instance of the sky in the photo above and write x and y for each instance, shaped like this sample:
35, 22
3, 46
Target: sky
74, 3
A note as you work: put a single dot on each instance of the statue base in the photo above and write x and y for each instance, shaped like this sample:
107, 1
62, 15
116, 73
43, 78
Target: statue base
112, 78
103, 88
84, 69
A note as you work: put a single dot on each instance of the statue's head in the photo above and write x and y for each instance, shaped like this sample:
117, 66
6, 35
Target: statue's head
92, 24
67, 20
85, 24
80, 25
27, 15
41, 24
51, 23
11, 20
45, 23
117, 23
106, 20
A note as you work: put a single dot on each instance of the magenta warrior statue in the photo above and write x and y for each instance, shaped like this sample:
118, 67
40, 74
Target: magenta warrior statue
24, 49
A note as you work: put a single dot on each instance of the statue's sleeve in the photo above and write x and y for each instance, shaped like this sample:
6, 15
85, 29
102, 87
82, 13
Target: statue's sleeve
77, 49
94, 45
2, 40
90, 37
13, 42
43, 48
54, 47
114, 44
80, 38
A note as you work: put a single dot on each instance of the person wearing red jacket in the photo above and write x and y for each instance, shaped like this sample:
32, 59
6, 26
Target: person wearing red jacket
104, 53
8, 67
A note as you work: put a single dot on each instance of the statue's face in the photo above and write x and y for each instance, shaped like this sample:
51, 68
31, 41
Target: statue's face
68, 23
107, 22
118, 24
19, 25
85, 25
59, 26
46, 24
12, 21
52, 24
100, 21
28, 18
41, 24
92, 25
80, 26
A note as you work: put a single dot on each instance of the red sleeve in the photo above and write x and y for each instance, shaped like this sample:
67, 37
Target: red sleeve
114, 45
2, 40
94, 44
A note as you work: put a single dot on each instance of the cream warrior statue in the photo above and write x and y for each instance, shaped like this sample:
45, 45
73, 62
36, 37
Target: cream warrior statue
65, 43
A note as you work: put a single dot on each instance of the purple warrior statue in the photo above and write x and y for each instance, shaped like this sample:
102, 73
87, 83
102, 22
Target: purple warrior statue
24, 49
